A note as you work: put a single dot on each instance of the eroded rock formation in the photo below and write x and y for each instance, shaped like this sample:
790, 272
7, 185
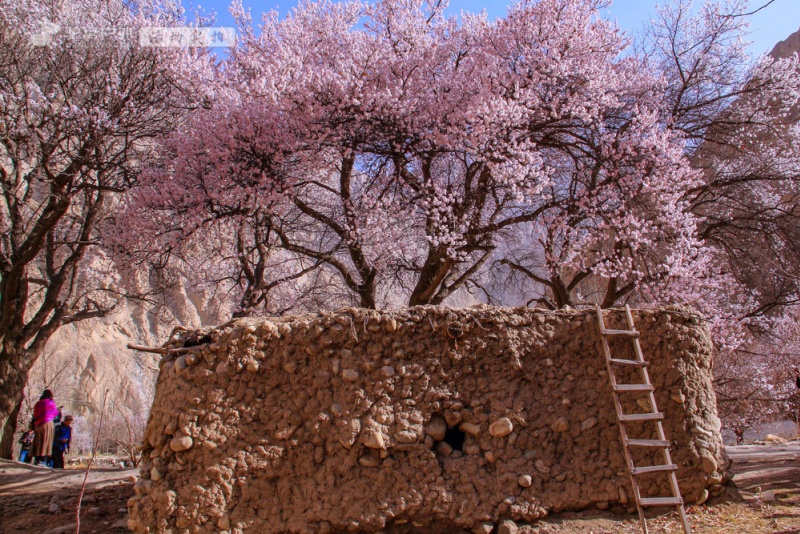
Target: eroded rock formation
85, 359
431, 418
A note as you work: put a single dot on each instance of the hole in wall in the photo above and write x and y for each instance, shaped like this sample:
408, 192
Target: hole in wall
196, 340
455, 438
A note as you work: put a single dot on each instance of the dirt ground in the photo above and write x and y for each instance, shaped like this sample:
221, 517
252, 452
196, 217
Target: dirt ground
43, 500
766, 498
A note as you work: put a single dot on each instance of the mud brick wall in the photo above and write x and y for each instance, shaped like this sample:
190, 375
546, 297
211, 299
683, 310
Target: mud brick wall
426, 418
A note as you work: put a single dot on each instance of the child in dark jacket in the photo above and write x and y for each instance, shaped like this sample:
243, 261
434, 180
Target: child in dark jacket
25, 442
61, 441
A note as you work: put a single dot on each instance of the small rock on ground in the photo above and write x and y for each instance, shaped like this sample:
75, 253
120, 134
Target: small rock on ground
507, 526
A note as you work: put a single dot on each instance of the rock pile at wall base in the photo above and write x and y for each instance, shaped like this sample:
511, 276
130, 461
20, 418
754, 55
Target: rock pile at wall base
428, 418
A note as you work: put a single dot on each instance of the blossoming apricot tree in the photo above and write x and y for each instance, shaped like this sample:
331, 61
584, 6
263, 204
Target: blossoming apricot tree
395, 149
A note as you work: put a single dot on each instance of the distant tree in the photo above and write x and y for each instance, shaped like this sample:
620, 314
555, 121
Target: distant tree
124, 428
754, 385
739, 118
82, 436
740, 121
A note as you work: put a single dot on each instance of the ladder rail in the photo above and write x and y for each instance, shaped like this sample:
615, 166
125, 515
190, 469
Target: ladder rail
673, 479
622, 431
654, 415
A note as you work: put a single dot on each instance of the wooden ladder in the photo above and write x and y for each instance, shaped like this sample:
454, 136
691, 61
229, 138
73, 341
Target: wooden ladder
654, 416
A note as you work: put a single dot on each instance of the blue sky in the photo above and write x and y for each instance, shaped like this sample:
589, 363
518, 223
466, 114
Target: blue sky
774, 23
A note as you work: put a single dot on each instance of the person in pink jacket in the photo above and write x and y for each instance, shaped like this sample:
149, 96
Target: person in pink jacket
44, 412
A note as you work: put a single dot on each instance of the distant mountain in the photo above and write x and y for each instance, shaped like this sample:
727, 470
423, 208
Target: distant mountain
787, 47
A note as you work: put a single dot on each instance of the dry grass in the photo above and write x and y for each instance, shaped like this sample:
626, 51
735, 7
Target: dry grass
730, 518
732, 514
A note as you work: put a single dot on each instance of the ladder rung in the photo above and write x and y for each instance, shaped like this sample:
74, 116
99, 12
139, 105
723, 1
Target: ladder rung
648, 442
628, 362
661, 501
631, 333
653, 469
655, 416
633, 387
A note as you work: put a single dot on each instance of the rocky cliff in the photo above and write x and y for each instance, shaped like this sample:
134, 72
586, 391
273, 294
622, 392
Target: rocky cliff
84, 360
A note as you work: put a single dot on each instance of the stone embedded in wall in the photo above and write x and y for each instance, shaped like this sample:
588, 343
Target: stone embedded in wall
431, 418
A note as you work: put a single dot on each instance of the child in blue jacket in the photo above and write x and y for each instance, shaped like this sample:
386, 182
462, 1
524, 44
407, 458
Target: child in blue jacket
61, 441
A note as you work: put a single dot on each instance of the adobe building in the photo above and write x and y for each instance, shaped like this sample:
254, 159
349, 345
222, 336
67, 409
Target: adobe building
427, 419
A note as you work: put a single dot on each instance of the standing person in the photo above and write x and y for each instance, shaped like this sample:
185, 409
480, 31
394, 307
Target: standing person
44, 411
61, 441
26, 441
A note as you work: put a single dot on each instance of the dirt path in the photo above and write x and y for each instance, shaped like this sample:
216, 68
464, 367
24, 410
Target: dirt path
36, 499
772, 470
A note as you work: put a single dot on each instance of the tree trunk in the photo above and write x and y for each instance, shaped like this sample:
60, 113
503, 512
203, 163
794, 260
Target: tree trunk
14, 375
435, 269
